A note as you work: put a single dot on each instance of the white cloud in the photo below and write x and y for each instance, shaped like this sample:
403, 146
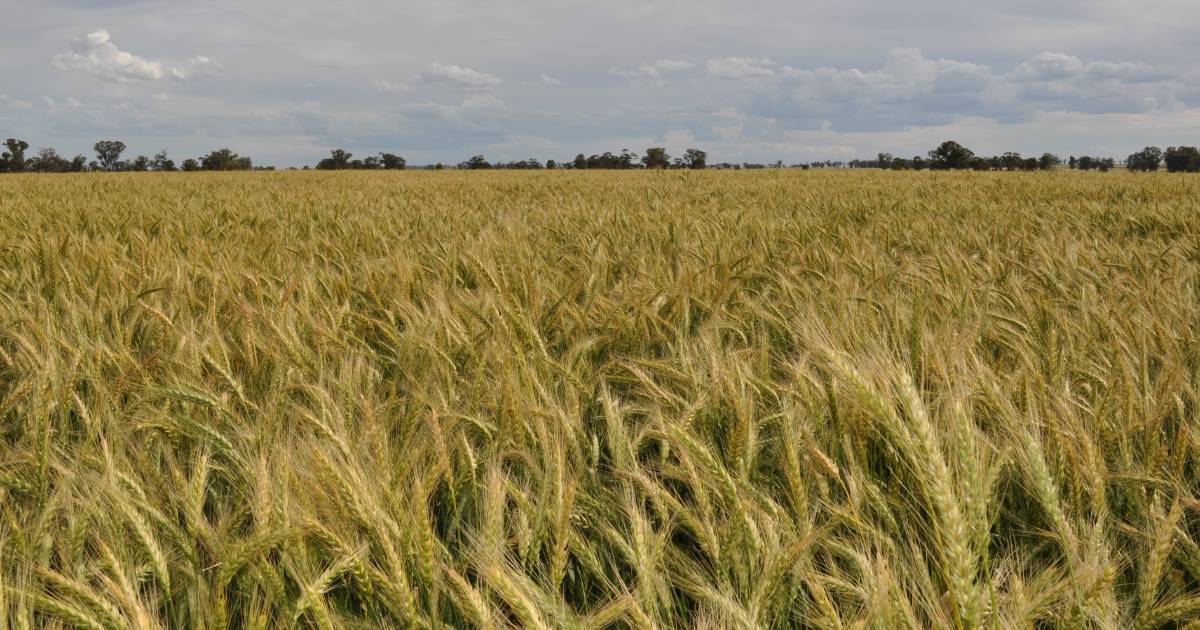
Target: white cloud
549, 80
97, 55
197, 68
459, 76
654, 69
740, 68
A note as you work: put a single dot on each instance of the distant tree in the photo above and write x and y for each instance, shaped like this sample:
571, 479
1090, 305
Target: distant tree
950, 155
392, 162
551, 165
13, 160
189, 165
1048, 161
656, 157
476, 163
338, 159
1147, 160
1010, 161
140, 164
697, 159
580, 161
48, 161
79, 164
1182, 159
225, 160
109, 153
162, 163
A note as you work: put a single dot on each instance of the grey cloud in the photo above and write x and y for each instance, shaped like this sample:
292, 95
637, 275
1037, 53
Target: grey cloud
653, 69
458, 76
740, 68
910, 89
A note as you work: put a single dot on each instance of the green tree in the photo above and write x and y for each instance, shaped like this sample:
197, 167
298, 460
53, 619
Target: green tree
108, 152
476, 163
1146, 160
392, 162
1182, 159
225, 160
695, 159
339, 159
162, 163
656, 157
13, 160
950, 155
1048, 161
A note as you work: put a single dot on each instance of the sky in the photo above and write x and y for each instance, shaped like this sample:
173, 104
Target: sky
442, 80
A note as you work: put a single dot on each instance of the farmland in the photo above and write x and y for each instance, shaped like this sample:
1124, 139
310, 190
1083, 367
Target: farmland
776, 399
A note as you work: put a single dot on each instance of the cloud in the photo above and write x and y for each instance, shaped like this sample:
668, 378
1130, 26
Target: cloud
197, 68
14, 103
913, 90
97, 55
654, 69
549, 80
458, 76
384, 86
739, 68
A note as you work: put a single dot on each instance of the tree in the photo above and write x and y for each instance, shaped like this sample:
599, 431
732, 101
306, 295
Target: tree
140, 164
656, 157
162, 163
338, 159
13, 160
1049, 161
1182, 159
1146, 160
225, 160
392, 162
1010, 161
476, 163
695, 159
79, 164
1072, 163
48, 161
950, 155
109, 153
551, 165
190, 165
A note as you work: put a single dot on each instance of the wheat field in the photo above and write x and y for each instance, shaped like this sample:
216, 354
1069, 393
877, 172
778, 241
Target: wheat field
774, 399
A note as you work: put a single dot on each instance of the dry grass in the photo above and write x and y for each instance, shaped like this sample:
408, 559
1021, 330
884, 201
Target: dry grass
586, 400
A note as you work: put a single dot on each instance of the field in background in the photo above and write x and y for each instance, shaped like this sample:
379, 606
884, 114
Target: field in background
658, 399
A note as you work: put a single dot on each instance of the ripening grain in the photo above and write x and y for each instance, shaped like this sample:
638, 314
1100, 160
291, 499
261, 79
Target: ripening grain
771, 399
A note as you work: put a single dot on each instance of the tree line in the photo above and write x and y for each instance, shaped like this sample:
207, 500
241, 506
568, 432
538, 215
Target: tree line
655, 157
14, 159
949, 155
